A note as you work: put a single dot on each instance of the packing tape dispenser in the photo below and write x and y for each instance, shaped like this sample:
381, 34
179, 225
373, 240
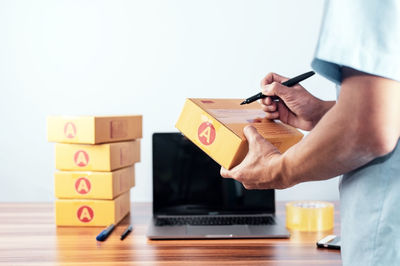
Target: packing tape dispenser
309, 216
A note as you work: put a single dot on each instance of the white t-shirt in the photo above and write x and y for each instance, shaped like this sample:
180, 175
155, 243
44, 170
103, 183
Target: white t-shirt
361, 34
365, 35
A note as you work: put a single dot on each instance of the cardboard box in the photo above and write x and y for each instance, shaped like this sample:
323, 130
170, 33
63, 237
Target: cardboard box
94, 185
93, 129
76, 212
100, 157
216, 126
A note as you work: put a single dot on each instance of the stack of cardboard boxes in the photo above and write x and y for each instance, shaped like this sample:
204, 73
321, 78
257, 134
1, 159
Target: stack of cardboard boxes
95, 159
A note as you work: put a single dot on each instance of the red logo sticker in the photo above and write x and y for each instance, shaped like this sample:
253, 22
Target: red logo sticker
70, 130
85, 214
82, 185
206, 133
81, 158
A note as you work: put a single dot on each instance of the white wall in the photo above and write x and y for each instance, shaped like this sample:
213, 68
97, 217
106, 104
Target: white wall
143, 56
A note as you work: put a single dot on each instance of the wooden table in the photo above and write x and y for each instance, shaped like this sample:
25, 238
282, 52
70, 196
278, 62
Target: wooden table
28, 236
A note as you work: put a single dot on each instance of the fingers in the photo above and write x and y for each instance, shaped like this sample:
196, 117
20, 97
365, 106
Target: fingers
276, 88
250, 132
224, 172
252, 186
266, 101
271, 77
257, 146
269, 107
272, 116
230, 174
234, 173
252, 136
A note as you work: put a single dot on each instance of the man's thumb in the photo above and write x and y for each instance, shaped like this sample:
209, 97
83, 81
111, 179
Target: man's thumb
251, 135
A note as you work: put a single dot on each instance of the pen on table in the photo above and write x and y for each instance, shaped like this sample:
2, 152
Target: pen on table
126, 232
289, 83
105, 233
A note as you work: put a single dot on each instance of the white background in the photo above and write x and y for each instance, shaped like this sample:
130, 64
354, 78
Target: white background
139, 57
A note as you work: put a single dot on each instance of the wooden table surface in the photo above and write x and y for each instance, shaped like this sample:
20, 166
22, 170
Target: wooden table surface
28, 236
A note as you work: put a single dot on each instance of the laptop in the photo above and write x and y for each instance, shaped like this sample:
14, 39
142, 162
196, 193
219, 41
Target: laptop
192, 201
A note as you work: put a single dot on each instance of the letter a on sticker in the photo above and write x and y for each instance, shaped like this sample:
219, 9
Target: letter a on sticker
206, 133
85, 214
82, 185
70, 130
81, 158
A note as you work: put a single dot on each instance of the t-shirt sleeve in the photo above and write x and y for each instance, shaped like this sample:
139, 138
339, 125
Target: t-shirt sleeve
360, 34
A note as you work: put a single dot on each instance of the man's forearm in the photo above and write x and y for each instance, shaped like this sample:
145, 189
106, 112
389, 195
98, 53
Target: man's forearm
330, 149
324, 108
364, 124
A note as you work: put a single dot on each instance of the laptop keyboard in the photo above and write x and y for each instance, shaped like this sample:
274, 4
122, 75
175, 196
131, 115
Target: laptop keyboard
215, 220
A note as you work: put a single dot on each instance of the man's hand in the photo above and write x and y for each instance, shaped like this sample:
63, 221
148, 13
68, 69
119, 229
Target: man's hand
258, 170
297, 106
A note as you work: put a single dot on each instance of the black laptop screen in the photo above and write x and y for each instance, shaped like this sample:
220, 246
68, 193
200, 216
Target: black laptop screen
188, 181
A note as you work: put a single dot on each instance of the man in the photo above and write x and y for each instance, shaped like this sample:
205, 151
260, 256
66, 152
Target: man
357, 136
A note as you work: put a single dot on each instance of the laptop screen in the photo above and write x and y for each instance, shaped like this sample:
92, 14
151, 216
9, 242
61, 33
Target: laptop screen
187, 181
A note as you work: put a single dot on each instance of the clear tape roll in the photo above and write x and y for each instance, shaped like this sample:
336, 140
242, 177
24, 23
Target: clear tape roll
309, 216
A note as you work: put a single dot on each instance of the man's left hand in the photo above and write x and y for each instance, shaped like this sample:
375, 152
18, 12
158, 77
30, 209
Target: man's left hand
260, 167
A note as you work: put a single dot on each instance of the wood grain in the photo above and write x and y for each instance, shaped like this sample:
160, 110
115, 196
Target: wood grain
28, 236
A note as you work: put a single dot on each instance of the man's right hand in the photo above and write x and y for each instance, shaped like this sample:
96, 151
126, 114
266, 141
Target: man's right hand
297, 106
